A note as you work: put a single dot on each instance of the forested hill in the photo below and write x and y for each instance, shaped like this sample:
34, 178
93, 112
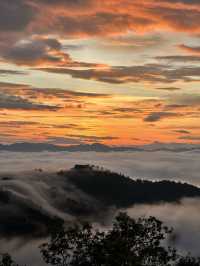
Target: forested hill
121, 191
30, 201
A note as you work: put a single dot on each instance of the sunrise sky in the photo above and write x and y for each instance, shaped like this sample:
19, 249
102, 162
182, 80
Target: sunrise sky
118, 72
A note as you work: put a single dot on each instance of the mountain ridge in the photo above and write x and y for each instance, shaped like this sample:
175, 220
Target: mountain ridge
30, 202
97, 147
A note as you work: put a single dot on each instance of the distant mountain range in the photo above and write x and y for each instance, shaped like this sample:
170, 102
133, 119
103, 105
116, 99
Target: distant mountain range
97, 147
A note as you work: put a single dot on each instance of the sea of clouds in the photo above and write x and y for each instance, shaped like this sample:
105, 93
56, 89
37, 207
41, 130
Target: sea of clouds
183, 166
31, 185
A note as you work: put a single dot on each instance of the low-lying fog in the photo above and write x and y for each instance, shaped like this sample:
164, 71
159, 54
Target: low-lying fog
182, 166
148, 165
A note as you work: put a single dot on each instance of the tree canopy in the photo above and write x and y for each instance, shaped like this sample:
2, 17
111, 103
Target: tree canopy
129, 242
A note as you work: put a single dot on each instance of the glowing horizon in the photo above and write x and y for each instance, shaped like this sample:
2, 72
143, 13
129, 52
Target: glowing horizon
115, 72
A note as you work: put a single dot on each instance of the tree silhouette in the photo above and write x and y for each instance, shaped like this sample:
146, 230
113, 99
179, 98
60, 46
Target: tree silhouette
128, 242
6, 260
188, 261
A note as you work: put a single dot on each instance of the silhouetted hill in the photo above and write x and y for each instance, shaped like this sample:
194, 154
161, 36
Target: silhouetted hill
30, 201
21, 217
115, 189
30, 147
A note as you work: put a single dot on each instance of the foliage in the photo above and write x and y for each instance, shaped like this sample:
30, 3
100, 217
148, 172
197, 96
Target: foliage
128, 242
6, 260
188, 261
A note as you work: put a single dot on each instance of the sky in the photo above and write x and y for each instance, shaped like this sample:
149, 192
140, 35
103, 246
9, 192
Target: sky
119, 72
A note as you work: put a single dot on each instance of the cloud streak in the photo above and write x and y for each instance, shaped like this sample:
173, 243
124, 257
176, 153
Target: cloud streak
150, 73
156, 116
41, 51
17, 102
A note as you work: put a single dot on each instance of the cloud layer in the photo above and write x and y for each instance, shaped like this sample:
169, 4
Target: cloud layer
66, 65
48, 190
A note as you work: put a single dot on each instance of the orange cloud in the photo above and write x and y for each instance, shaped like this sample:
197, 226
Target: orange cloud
26, 115
30, 35
41, 51
149, 73
189, 49
101, 18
